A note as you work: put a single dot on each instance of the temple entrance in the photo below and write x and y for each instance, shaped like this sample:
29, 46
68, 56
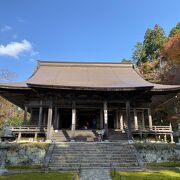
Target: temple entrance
64, 118
87, 119
111, 119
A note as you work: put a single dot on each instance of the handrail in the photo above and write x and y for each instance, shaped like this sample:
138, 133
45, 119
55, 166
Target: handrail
156, 129
27, 129
161, 128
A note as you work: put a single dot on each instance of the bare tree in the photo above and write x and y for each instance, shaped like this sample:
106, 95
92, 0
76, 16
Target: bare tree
7, 109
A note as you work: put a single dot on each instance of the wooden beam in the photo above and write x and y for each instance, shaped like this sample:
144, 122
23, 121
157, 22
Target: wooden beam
25, 115
128, 115
40, 114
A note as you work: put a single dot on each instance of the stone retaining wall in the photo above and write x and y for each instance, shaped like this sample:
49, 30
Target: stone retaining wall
26, 153
158, 152
34, 154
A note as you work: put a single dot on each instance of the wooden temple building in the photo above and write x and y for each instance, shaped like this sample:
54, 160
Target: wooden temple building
69, 98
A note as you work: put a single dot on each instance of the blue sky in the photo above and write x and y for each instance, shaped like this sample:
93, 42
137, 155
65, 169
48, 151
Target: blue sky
76, 30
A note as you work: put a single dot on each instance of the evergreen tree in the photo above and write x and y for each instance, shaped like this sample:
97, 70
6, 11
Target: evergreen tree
139, 54
125, 60
175, 30
153, 42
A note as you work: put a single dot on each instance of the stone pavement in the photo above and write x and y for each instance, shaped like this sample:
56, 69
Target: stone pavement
95, 174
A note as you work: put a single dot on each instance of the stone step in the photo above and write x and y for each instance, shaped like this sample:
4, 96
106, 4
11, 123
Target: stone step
91, 146
93, 156
92, 150
94, 147
129, 168
84, 164
56, 158
104, 143
92, 162
81, 135
69, 156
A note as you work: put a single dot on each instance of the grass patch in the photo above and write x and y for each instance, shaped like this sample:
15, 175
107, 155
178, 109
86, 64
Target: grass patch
23, 166
164, 164
160, 175
41, 176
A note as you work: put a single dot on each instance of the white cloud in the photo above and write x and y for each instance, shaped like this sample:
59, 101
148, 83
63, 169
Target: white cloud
6, 28
15, 49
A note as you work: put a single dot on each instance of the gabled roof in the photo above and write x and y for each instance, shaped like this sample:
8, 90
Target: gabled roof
87, 76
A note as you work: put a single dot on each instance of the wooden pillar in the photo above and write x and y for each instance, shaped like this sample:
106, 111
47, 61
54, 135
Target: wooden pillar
165, 138
40, 115
121, 122
143, 122
73, 125
49, 123
44, 118
31, 116
150, 118
171, 135
117, 120
105, 118
101, 118
55, 118
135, 120
35, 136
19, 136
25, 115
128, 115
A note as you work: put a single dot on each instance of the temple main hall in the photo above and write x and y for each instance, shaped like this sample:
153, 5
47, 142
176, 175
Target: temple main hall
74, 100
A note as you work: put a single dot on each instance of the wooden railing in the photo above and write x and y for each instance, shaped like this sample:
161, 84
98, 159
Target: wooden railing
154, 130
162, 128
28, 129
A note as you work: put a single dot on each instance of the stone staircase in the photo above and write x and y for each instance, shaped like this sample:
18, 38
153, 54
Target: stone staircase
116, 135
80, 135
91, 155
59, 136
83, 135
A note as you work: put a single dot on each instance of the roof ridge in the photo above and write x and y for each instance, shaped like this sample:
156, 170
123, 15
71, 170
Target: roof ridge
86, 64
82, 62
